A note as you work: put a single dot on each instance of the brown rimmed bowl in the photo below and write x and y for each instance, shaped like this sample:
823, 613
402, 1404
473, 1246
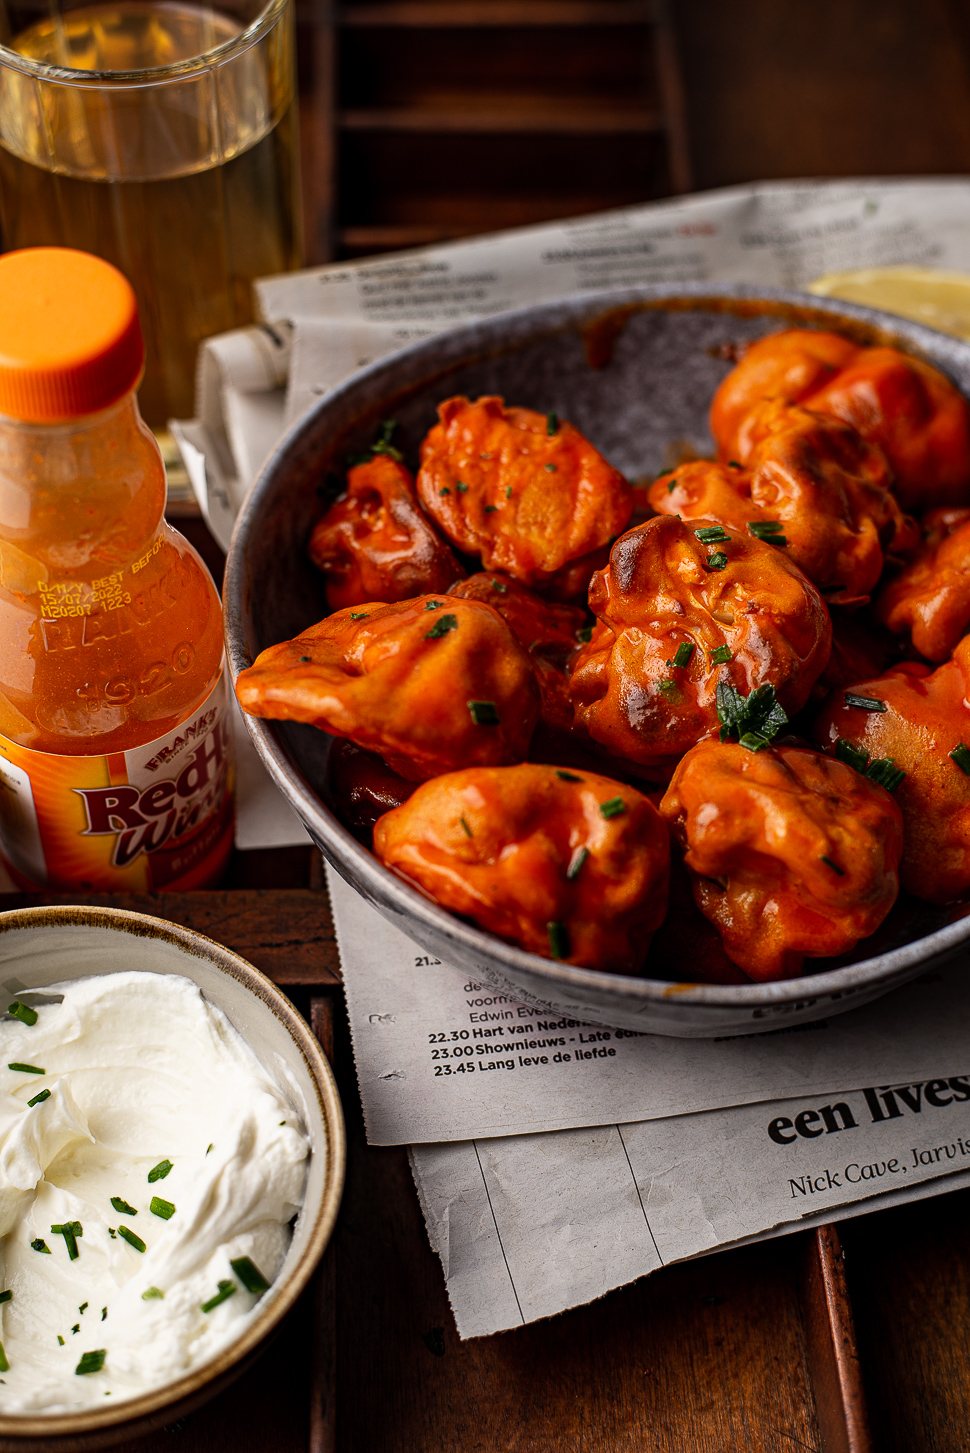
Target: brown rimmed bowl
42, 946
635, 370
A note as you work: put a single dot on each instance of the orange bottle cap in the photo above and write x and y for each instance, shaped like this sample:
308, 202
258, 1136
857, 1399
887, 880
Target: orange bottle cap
70, 343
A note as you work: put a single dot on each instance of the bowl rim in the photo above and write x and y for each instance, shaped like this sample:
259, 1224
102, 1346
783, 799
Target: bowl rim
439, 354
150, 1404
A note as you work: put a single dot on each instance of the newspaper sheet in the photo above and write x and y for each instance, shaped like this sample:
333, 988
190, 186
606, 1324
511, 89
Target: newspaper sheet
441, 1057
530, 1225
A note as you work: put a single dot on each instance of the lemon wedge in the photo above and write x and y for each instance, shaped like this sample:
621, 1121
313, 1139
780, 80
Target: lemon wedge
941, 300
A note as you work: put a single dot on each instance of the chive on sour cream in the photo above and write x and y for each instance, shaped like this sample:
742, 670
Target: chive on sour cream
149, 1170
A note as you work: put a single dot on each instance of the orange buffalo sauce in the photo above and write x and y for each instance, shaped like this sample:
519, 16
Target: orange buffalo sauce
114, 761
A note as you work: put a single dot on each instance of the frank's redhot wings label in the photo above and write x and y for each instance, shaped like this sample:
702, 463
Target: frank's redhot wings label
158, 816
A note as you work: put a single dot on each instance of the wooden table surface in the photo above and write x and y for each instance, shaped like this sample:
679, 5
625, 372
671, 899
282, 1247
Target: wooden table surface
786, 1345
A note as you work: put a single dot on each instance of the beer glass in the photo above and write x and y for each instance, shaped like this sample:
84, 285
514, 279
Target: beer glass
161, 135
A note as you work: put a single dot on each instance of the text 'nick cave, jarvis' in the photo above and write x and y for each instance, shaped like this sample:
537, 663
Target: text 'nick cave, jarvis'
888, 1102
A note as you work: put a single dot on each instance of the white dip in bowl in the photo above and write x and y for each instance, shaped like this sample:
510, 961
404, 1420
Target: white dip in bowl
156, 1131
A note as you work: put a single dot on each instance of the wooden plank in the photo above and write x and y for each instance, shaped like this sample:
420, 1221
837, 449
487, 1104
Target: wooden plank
908, 1271
833, 1356
287, 933
673, 102
543, 115
406, 234
509, 14
317, 138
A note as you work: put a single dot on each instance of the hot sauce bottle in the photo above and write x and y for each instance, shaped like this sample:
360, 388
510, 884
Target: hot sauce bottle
114, 745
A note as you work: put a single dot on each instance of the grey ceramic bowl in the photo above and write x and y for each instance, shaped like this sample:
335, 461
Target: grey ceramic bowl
635, 370
40, 946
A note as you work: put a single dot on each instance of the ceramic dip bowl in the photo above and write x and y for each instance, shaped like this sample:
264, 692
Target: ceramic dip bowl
635, 370
44, 946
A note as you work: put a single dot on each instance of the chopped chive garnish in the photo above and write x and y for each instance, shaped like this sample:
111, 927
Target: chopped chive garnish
226, 1290
502, 589
669, 690
882, 772
613, 808
711, 534
445, 490
112, 1233
39, 1099
83, 1308
834, 866
757, 714
384, 445
752, 742
567, 776
490, 509
250, 1275
27, 1069
851, 755
153, 1294
165, 1209
484, 713
122, 1207
671, 486
683, 654
131, 1238
441, 627
770, 530
160, 1171
960, 755
508, 491
6, 1296
75, 1329
211, 1147
461, 488
91, 1361
559, 945
4, 1364
433, 604
552, 424
70, 1230
23, 1012
865, 703
721, 655
465, 828
576, 864
549, 468
718, 560
38, 1245
584, 635
305, 659
104, 1313
60, 1339
358, 615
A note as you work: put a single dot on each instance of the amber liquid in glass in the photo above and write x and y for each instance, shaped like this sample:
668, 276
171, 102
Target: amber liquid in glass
191, 193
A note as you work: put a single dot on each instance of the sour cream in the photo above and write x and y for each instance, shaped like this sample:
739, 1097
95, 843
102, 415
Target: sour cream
140, 1074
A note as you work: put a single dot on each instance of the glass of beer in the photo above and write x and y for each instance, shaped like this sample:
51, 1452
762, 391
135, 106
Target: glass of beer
160, 135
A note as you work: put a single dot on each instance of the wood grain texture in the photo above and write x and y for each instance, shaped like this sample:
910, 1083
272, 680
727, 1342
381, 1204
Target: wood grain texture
908, 1272
835, 88
833, 1357
287, 933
